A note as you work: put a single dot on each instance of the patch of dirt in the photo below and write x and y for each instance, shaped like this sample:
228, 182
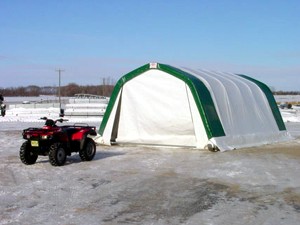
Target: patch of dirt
175, 199
171, 198
290, 149
292, 197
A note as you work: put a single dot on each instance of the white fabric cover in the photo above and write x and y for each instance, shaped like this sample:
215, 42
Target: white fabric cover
158, 108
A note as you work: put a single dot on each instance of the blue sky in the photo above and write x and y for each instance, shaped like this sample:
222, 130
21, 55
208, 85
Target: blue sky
93, 39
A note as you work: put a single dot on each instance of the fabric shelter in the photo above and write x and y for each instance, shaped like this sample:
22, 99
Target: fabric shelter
159, 104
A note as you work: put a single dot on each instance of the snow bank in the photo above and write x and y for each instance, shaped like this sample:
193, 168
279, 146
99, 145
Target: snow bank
290, 115
287, 98
29, 113
33, 114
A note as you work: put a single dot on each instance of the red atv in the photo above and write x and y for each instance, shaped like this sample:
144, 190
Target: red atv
57, 142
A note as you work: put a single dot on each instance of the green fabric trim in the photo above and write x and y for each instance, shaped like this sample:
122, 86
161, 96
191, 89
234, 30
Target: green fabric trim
203, 100
266, 90
201, 94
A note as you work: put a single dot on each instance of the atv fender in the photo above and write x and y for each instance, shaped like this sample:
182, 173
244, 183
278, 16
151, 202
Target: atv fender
82, 135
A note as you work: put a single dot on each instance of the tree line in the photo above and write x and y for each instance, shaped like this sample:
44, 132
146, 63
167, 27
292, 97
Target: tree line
73, 88
67, 90
286, 92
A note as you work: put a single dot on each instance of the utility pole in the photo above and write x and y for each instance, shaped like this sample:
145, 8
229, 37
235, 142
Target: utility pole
103, 86
59, 80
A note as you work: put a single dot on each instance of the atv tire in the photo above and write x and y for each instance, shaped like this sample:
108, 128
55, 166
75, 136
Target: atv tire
89, 150
57, 155
26, 155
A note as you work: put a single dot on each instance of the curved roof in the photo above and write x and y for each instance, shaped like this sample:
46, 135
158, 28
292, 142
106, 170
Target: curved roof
216, 94
202, 83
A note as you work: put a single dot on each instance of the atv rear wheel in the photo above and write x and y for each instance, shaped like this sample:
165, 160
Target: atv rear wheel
57, 154
89, 150
26, 155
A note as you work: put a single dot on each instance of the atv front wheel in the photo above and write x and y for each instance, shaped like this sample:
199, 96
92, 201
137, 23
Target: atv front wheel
26, 155
57, 155
89, 150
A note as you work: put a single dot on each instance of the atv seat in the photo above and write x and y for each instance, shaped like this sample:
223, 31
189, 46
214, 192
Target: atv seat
49, 123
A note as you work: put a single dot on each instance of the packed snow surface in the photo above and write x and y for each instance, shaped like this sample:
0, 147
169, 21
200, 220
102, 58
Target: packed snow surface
149, 185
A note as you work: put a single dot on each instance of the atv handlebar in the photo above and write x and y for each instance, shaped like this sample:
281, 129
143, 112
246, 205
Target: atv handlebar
50, 122
61, 120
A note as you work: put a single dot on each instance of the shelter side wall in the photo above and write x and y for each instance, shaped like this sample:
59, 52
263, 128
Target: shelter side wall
271, 101
241, 105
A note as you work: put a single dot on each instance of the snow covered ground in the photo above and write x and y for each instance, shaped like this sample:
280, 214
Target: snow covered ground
287, 98
150, 185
